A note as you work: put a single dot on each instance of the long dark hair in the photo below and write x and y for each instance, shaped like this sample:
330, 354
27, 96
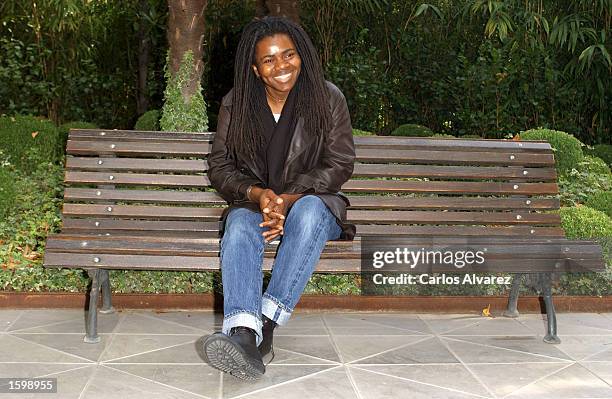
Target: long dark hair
249, 104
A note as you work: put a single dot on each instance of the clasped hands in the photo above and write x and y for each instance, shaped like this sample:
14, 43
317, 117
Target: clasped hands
273, 208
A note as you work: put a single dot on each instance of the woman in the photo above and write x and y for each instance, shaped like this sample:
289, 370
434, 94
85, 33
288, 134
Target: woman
283, 149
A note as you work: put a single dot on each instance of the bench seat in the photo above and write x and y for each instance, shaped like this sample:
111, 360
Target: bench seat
142, 201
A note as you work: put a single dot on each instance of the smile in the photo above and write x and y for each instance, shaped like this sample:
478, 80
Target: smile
283, 78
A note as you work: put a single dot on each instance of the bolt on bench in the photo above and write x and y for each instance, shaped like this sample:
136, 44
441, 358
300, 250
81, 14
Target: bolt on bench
141, 200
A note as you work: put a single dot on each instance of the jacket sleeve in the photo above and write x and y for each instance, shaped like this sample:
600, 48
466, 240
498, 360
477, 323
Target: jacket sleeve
223, 173
336, 164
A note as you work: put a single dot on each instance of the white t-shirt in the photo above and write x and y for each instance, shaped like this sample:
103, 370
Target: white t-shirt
276, 117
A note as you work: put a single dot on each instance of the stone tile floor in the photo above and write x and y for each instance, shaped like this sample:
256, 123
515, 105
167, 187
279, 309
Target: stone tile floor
146, 354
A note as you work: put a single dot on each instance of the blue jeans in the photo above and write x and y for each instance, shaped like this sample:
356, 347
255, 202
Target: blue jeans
308, 225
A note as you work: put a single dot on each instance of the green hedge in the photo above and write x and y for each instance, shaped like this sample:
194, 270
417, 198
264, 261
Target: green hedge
22, 134
148, 121
601, 201
590, 176
412, 130
567, 148
585, 222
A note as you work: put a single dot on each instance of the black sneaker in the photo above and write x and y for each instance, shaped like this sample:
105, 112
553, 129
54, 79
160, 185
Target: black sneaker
235, 353
266, 346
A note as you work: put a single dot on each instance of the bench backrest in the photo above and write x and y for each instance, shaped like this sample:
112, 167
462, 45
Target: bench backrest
154, 183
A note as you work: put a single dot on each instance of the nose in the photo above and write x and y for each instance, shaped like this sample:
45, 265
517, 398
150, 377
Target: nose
281, 63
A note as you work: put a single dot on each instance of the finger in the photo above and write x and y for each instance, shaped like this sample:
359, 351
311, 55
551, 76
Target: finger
276, 215
268, 239
271, 234
269, 223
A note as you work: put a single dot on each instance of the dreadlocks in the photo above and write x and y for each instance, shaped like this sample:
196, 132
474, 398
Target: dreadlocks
244, 137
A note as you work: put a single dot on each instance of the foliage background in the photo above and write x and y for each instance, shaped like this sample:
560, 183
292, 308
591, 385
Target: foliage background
465, 68
459, 67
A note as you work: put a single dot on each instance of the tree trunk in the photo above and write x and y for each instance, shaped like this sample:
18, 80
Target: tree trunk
185, 33
289, 9
144, 53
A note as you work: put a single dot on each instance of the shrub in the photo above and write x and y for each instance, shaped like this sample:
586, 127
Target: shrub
585, 222
603, 151
567, 148
601, 201
443, 135
594, 165
148, 121
590, 176
65, 128
20, 134
178, 116
358, 132
412, 130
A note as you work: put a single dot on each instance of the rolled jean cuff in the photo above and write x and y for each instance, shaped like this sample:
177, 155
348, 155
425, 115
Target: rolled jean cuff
273, 309
244, 319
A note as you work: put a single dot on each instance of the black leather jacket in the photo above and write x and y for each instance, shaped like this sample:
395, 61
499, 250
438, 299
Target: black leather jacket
318, 166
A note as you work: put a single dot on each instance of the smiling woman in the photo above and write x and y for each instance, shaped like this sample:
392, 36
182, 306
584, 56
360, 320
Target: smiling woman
283, 148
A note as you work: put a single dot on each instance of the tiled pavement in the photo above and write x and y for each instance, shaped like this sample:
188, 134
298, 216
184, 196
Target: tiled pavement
144, 354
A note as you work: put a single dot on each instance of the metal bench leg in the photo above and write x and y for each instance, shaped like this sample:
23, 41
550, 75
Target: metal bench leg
512, 309
91, 322
551, 334
107, 304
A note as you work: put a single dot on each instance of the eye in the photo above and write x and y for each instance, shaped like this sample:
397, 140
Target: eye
267, 61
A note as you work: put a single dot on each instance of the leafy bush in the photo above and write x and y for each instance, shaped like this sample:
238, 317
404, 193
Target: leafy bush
567, 148
585, 222
412, 130
443, 135
601, 201
590, 176
148, 121
65, 129
178, 116
603, 151
358, 132
19, 134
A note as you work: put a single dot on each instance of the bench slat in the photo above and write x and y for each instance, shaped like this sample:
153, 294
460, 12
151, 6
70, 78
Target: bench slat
357, 202
203, 263
353, 185
453, 157
492, 249
360, 141
354, 216
449, 144
123, 147
139, 164
454, 172
136, 148
451, 187
360, 170
141, 179
152, 227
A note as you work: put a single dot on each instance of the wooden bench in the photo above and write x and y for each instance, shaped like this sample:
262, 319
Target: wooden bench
142, 201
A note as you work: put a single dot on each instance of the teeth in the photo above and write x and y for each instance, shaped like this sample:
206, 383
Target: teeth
283, 78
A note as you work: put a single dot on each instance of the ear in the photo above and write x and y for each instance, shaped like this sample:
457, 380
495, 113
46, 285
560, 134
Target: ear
255, 70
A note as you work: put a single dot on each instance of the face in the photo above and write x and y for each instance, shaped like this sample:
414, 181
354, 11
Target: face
277, 64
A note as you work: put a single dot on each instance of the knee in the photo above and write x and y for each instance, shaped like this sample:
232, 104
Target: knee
307, 213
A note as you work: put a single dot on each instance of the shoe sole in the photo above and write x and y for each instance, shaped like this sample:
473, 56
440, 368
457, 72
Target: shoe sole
223, 354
